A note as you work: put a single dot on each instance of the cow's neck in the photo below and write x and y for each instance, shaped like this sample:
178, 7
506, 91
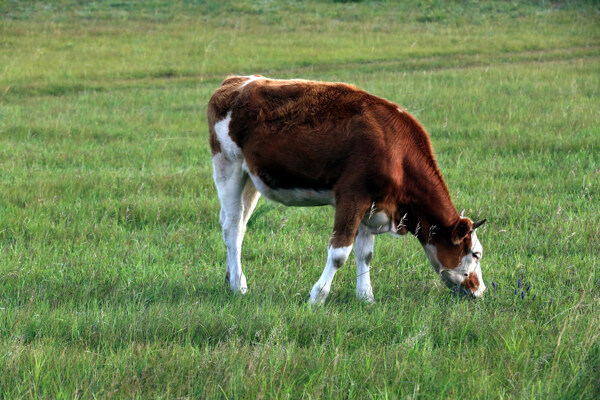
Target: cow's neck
424, 200
429, 208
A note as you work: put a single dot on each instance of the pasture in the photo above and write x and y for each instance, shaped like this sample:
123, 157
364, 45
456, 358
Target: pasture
112, 264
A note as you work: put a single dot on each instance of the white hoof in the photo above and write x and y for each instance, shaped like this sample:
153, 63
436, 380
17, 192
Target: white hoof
239, 286
319, 294
366, 296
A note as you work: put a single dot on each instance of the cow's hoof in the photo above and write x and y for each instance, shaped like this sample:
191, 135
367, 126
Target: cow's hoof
239, 286
366, 297
318, 295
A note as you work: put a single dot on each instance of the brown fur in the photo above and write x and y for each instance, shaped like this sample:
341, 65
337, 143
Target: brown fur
450, 253
471, 283
333, 136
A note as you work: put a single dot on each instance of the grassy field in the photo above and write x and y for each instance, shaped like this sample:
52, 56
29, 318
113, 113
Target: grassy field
111, 257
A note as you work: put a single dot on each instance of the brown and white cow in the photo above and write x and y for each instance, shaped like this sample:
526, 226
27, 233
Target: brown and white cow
304, 143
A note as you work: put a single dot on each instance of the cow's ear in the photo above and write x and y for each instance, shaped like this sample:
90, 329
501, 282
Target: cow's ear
463, 227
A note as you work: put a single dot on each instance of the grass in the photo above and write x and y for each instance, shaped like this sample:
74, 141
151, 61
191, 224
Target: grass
111, 257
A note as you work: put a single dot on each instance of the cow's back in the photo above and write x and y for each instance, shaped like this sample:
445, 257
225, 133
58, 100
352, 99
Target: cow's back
301, 133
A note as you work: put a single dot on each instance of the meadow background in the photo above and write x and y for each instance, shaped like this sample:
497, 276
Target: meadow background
111, 258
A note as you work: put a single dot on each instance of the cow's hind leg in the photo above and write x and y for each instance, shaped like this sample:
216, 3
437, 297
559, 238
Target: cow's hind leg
363, 249
249, 199
238, 197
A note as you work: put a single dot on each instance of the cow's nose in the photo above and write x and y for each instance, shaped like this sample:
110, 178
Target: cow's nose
479, 292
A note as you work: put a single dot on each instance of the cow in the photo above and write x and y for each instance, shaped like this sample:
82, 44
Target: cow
307, 143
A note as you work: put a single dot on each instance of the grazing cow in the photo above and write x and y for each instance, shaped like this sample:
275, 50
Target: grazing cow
304, 143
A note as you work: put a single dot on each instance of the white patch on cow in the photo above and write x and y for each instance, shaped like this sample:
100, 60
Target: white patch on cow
476, 247
292, 197
228, 146
299, 197
481, 288
468, 264
378, 223
473, 264
431, 253
401, 110
251, 79
336, 257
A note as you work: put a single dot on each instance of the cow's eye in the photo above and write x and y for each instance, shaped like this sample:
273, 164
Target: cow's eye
476, 255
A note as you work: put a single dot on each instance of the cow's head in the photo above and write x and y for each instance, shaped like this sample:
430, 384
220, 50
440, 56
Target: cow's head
456, 257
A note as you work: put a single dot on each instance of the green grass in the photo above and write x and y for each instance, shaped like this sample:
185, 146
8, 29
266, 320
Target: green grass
111, 257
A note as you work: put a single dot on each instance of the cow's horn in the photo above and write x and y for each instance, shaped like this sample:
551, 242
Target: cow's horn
479, 223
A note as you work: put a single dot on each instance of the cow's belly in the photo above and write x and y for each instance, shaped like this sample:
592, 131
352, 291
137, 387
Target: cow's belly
293, 197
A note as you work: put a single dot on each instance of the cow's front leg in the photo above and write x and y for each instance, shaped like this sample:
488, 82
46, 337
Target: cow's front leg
336, 257
347, 219
363, 249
